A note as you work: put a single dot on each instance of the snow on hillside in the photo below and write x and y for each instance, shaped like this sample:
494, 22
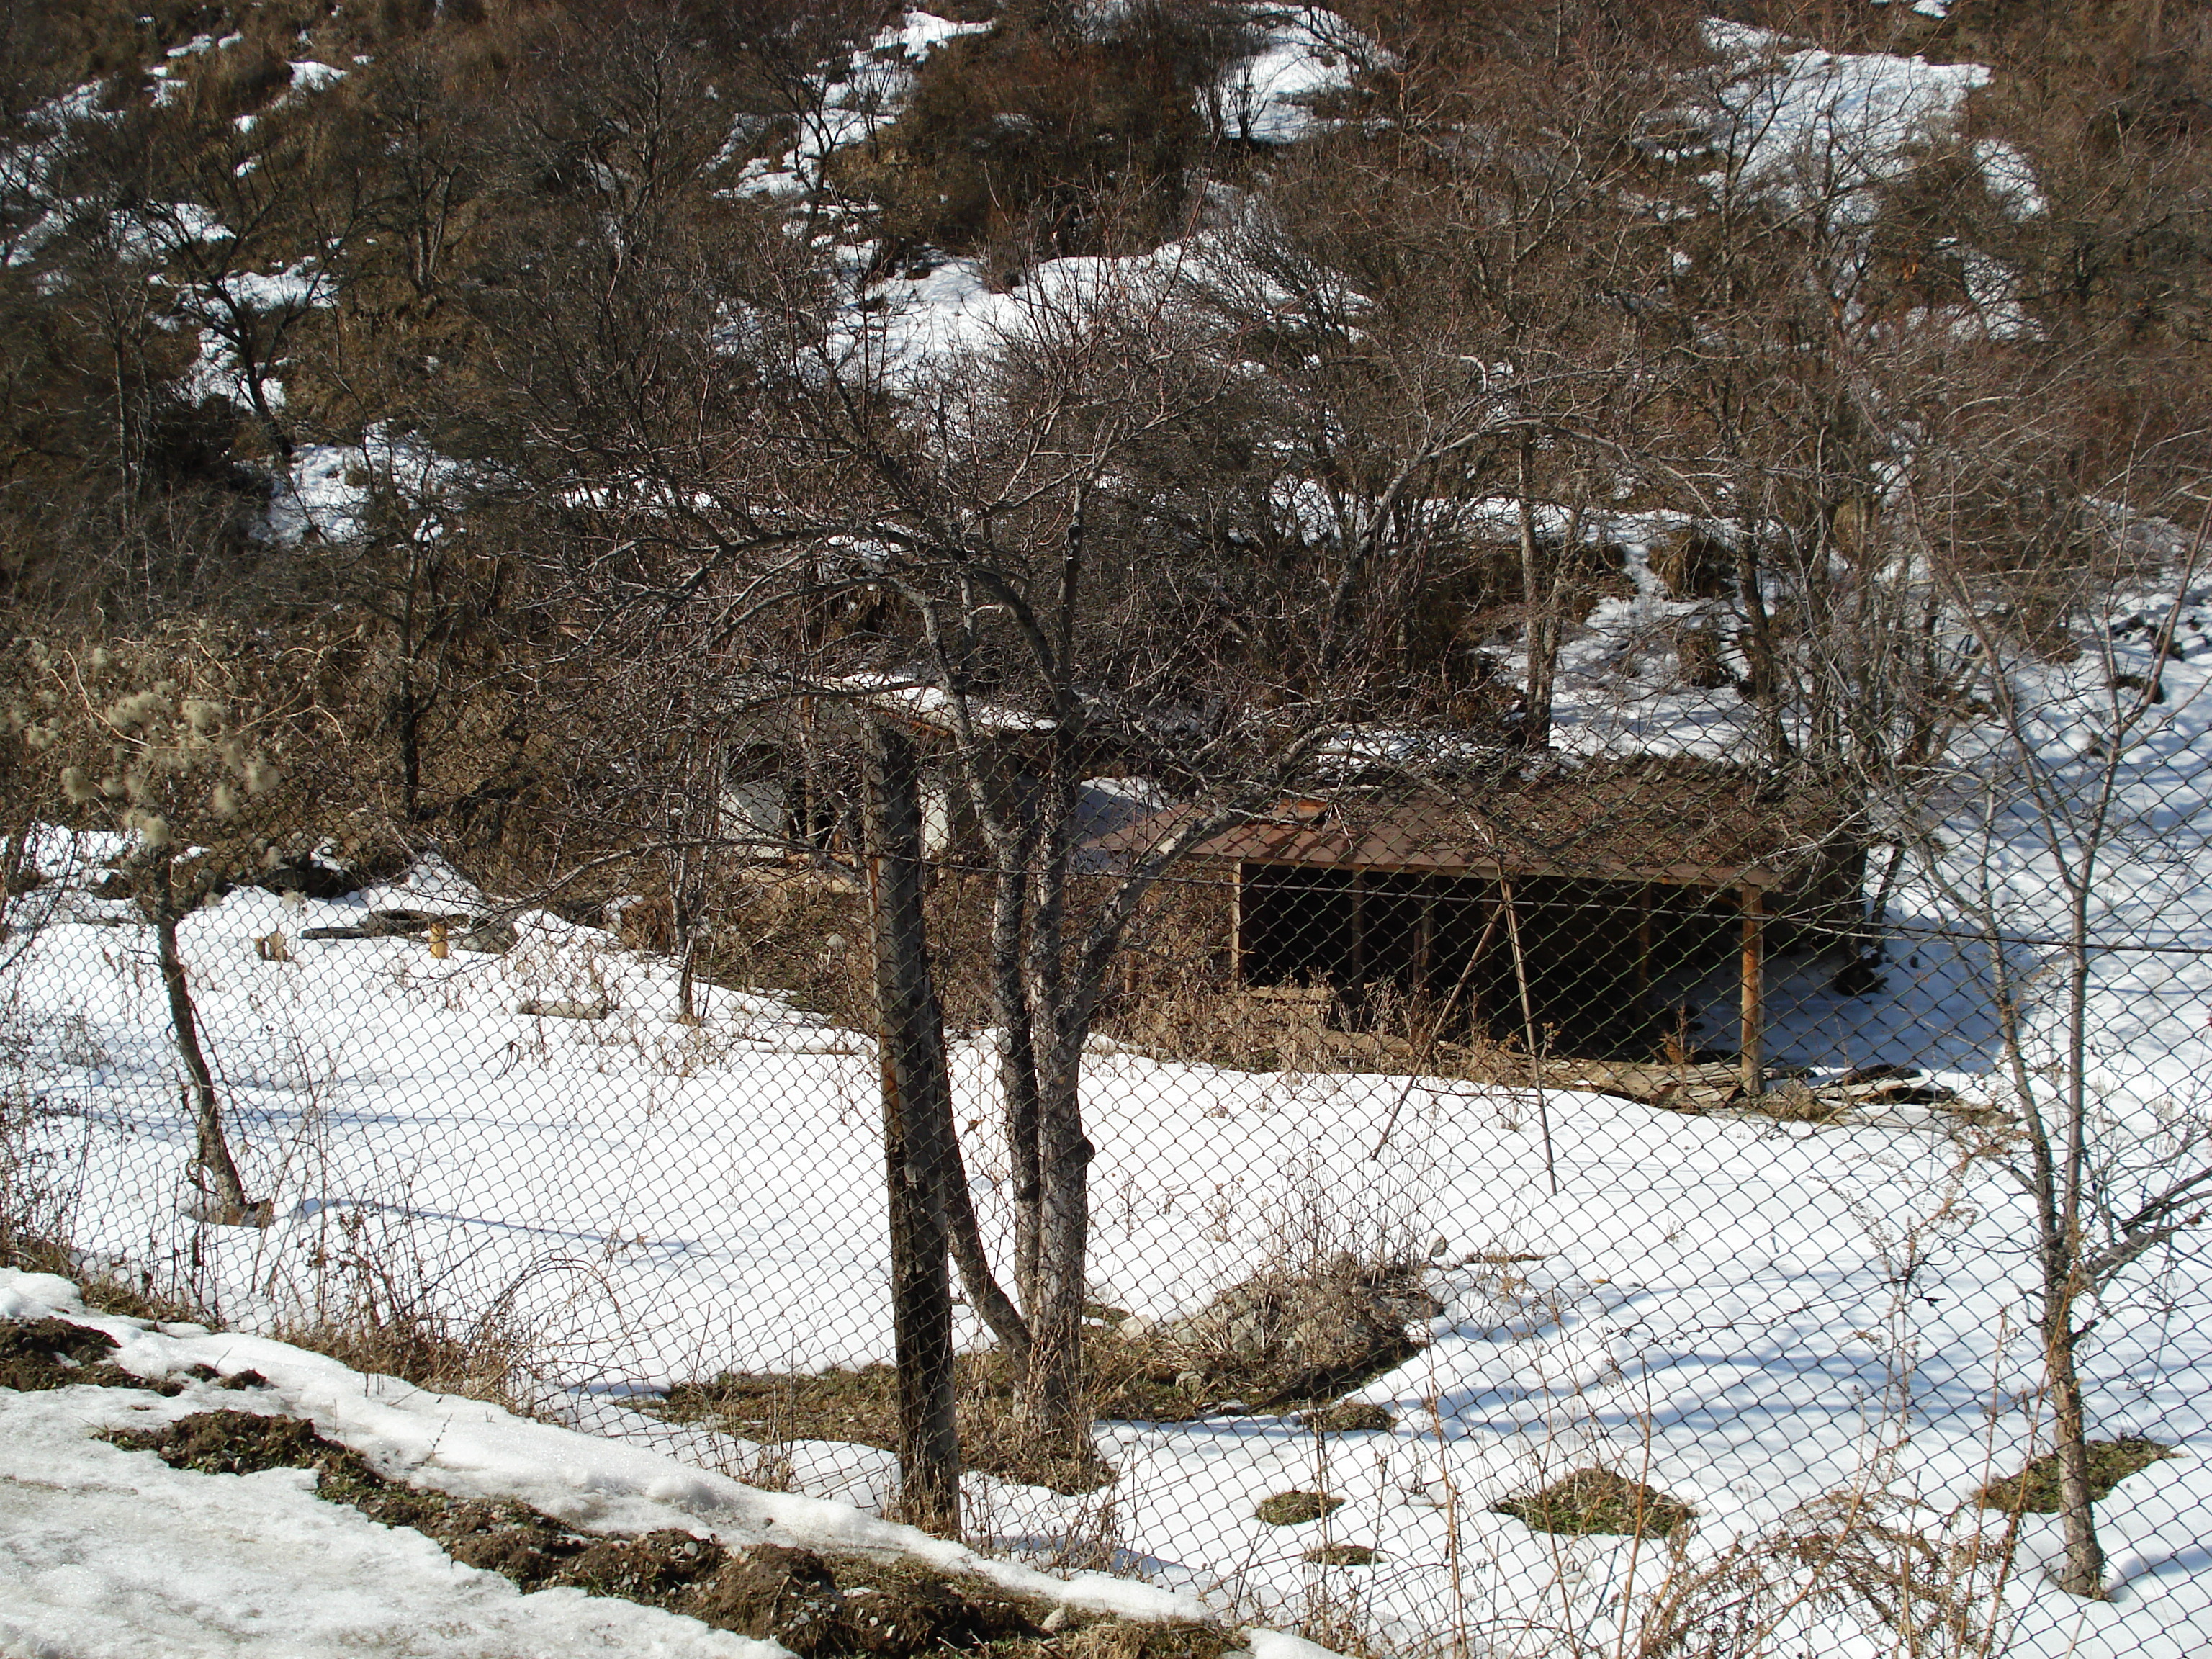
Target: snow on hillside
1831, 125
1304, 55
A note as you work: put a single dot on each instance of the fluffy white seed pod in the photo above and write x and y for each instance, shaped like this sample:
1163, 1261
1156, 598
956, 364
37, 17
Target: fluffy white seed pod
139, 709
204, 718
223, 802
152, 829
77, 785
261, 777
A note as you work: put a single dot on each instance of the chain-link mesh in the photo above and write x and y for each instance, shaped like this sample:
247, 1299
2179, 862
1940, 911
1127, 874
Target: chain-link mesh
1511, 1205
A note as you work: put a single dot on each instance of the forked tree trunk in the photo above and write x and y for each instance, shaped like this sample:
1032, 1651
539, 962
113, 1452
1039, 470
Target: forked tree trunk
1053, 1296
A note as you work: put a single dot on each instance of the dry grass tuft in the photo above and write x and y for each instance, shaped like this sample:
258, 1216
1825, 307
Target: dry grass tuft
420, 1345
1598, 1501
1295, 1508
2034, 1490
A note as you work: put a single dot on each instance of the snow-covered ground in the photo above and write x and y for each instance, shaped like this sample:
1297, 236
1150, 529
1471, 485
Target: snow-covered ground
105, 1552
1753, 1316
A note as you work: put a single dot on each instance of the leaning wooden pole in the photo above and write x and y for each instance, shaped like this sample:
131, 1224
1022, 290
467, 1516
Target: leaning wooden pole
1754, 994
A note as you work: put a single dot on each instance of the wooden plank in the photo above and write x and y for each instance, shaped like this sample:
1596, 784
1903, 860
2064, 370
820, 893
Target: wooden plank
1664, 875
1754, 990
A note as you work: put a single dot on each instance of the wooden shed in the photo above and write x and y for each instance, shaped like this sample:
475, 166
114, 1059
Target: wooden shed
1555, 900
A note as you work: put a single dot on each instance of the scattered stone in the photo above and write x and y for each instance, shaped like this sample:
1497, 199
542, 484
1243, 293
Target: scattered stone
651, 1568
913, 1614
1292, 1508
560, 1009
2034, 1490
1598, 1501
1341, 1555
492, 937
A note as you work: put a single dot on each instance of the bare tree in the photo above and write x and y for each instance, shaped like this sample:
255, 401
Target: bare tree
179, 741
2104, 1190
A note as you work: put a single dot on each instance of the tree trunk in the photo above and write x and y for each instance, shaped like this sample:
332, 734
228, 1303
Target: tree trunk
1539, 599
1018, 1074
917, 1131
212, 1156
2083, 1571
1053, 1396
1053, 1298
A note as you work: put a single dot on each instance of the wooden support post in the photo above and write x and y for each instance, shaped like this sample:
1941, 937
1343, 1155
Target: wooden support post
1424, 936
1236, 923
1644, 943
1358, 971
1754, 988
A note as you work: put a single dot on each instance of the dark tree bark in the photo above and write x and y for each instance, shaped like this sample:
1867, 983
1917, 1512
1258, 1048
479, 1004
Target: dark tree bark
917, 1140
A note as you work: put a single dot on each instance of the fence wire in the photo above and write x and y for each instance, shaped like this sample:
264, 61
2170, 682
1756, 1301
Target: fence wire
1614, 1208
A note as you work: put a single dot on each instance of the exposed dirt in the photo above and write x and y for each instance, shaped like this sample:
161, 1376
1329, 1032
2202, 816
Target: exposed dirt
820, 1607
1341, 1555
52, 1353
860, 1406
2034, 1490
1352, 1417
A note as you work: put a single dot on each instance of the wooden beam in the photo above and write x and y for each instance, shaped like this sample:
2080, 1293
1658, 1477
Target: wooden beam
1236, 923
1643, 942
1754, 993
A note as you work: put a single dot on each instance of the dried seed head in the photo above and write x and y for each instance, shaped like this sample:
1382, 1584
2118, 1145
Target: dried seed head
139, 709
78, 786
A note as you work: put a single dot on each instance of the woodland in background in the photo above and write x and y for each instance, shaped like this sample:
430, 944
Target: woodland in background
513, 247
636, 467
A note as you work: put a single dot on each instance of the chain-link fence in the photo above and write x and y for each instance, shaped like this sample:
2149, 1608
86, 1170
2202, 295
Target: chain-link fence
1534, 1207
